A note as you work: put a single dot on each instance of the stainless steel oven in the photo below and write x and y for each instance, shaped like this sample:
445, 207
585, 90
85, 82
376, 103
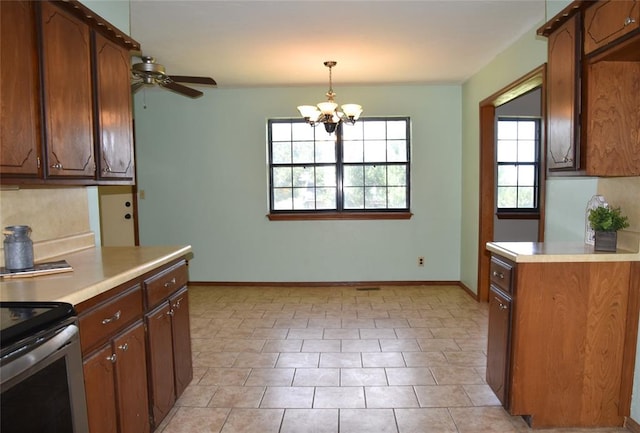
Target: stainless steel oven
41, 379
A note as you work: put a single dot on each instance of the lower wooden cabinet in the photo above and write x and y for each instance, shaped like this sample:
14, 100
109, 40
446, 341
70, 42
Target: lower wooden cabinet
136, 351
561, 345
170, 367
116, 384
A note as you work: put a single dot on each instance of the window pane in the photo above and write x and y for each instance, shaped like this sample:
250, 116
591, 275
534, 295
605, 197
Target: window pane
325, 151
526, 175
507, 151
326, 198
326, 176
397, 175
281, 152
374, 129
353, 132
507, 130
353, 198
375, 175
303, 176
353, 175
527, 151
303, 152
353, 151
301, 132
507, 175
526, 129
375, 198
282, 199
507, 196
303, 198
526, 197
397, 151
397, 197
396, 130
282, 177
281, 131
375, 151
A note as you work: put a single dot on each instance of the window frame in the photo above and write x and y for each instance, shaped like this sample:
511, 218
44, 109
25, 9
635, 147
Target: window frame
521, 212
339, 212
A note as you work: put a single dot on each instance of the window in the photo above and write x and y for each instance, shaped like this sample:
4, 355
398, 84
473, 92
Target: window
361, 168
518, 165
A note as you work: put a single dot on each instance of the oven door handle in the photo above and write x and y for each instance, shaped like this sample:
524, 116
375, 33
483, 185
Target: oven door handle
33, 357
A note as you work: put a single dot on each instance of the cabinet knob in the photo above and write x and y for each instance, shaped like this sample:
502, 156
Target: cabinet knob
112, 318
107, 169
498, 274
629, 20
170, 312
177, 303
112, 358
501, 306
124, 347
170, 283
57, 166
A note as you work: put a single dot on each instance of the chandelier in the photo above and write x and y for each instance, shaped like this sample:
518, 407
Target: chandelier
327, 112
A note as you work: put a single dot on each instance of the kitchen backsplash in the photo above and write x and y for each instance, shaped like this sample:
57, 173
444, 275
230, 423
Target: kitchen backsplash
58, 217
624, 192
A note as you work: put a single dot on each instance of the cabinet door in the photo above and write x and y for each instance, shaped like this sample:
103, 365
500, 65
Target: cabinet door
606, 21
100, 391
19, 87
181, 340
113, 102
563, 98
131, 378
66, 60
498, 344
161, 366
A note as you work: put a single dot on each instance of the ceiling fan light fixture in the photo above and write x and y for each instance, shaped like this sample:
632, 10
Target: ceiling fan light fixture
327, 112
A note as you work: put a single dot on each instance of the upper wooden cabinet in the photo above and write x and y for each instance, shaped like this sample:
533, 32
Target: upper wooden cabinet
592, 114
609, 20
68, 102
19, 86
563, 97
113, 114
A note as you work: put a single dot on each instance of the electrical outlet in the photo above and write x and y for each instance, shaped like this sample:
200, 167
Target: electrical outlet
420, 261
141, 194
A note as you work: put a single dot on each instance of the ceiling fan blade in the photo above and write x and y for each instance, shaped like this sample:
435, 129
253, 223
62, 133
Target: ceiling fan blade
136, 86
194, 80
183, 90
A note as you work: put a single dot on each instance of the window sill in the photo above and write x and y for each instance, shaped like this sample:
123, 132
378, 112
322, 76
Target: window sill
340, 216
518, 215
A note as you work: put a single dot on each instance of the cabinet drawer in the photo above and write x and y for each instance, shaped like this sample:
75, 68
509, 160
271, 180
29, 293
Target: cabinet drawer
108, 318
501, 273
161, 285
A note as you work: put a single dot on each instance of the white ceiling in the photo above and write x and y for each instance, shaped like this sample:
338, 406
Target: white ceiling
284, 43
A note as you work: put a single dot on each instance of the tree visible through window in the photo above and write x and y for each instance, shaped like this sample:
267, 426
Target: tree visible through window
518, 165
360, 168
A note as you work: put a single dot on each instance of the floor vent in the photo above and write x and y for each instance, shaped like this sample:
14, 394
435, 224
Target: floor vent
367, 289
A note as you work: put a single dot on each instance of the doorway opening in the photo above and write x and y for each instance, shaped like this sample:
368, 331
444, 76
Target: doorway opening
489, 109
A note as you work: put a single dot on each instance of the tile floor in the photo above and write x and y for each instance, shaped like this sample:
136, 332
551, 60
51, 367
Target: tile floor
339, 360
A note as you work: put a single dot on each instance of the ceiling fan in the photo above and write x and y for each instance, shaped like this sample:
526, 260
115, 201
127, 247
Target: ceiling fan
151, 73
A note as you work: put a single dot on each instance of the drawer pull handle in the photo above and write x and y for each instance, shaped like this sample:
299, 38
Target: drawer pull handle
170, 282
628, 21
177, 303
501, 306
112, 358
170, 313
498, 274
57, 166
112, 318
124, 347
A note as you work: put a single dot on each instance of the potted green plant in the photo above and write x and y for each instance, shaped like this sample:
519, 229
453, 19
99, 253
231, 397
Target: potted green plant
605, 222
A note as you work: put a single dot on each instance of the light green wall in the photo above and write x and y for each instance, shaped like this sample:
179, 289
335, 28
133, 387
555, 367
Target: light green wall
203, 167
114, 11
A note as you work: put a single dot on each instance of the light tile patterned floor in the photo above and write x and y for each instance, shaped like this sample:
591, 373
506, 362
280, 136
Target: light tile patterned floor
339, 360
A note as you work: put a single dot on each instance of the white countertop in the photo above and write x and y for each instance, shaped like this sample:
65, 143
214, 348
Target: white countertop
541, 252
95, 270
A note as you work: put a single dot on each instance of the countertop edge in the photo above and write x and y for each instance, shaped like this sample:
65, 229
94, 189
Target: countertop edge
551, 252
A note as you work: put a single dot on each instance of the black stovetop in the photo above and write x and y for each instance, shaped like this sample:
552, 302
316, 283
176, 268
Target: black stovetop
19, 320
